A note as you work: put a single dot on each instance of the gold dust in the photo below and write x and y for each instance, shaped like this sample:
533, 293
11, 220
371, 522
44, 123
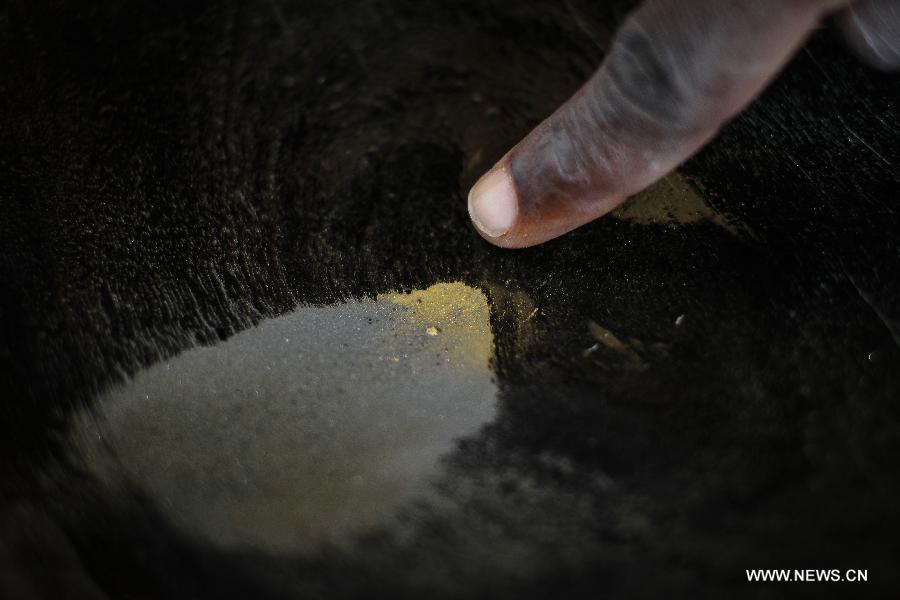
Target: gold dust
455, 311
608, 339
670, 201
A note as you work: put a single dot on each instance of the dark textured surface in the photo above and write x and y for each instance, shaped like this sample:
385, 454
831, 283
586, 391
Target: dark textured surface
171, 174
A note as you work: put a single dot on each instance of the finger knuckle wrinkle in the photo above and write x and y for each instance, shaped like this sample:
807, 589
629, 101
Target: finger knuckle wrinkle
646, 78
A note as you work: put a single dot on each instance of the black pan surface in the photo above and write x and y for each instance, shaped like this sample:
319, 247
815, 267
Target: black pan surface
678, 397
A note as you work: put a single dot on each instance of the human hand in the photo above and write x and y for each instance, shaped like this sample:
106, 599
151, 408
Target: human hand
676, 72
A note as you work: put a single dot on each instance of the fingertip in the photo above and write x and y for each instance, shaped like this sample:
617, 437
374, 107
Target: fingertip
493, 203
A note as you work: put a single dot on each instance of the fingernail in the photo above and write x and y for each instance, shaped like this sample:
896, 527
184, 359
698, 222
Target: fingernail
493, 204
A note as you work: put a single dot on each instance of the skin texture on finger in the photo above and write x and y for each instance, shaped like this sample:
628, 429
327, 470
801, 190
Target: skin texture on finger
676, 72
872, 29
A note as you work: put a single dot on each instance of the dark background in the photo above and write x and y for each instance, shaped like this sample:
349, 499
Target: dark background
172, 171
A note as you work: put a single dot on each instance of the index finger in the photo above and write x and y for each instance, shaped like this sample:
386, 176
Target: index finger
676, 72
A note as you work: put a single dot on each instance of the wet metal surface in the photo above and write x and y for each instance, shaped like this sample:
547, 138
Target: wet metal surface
704, 382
